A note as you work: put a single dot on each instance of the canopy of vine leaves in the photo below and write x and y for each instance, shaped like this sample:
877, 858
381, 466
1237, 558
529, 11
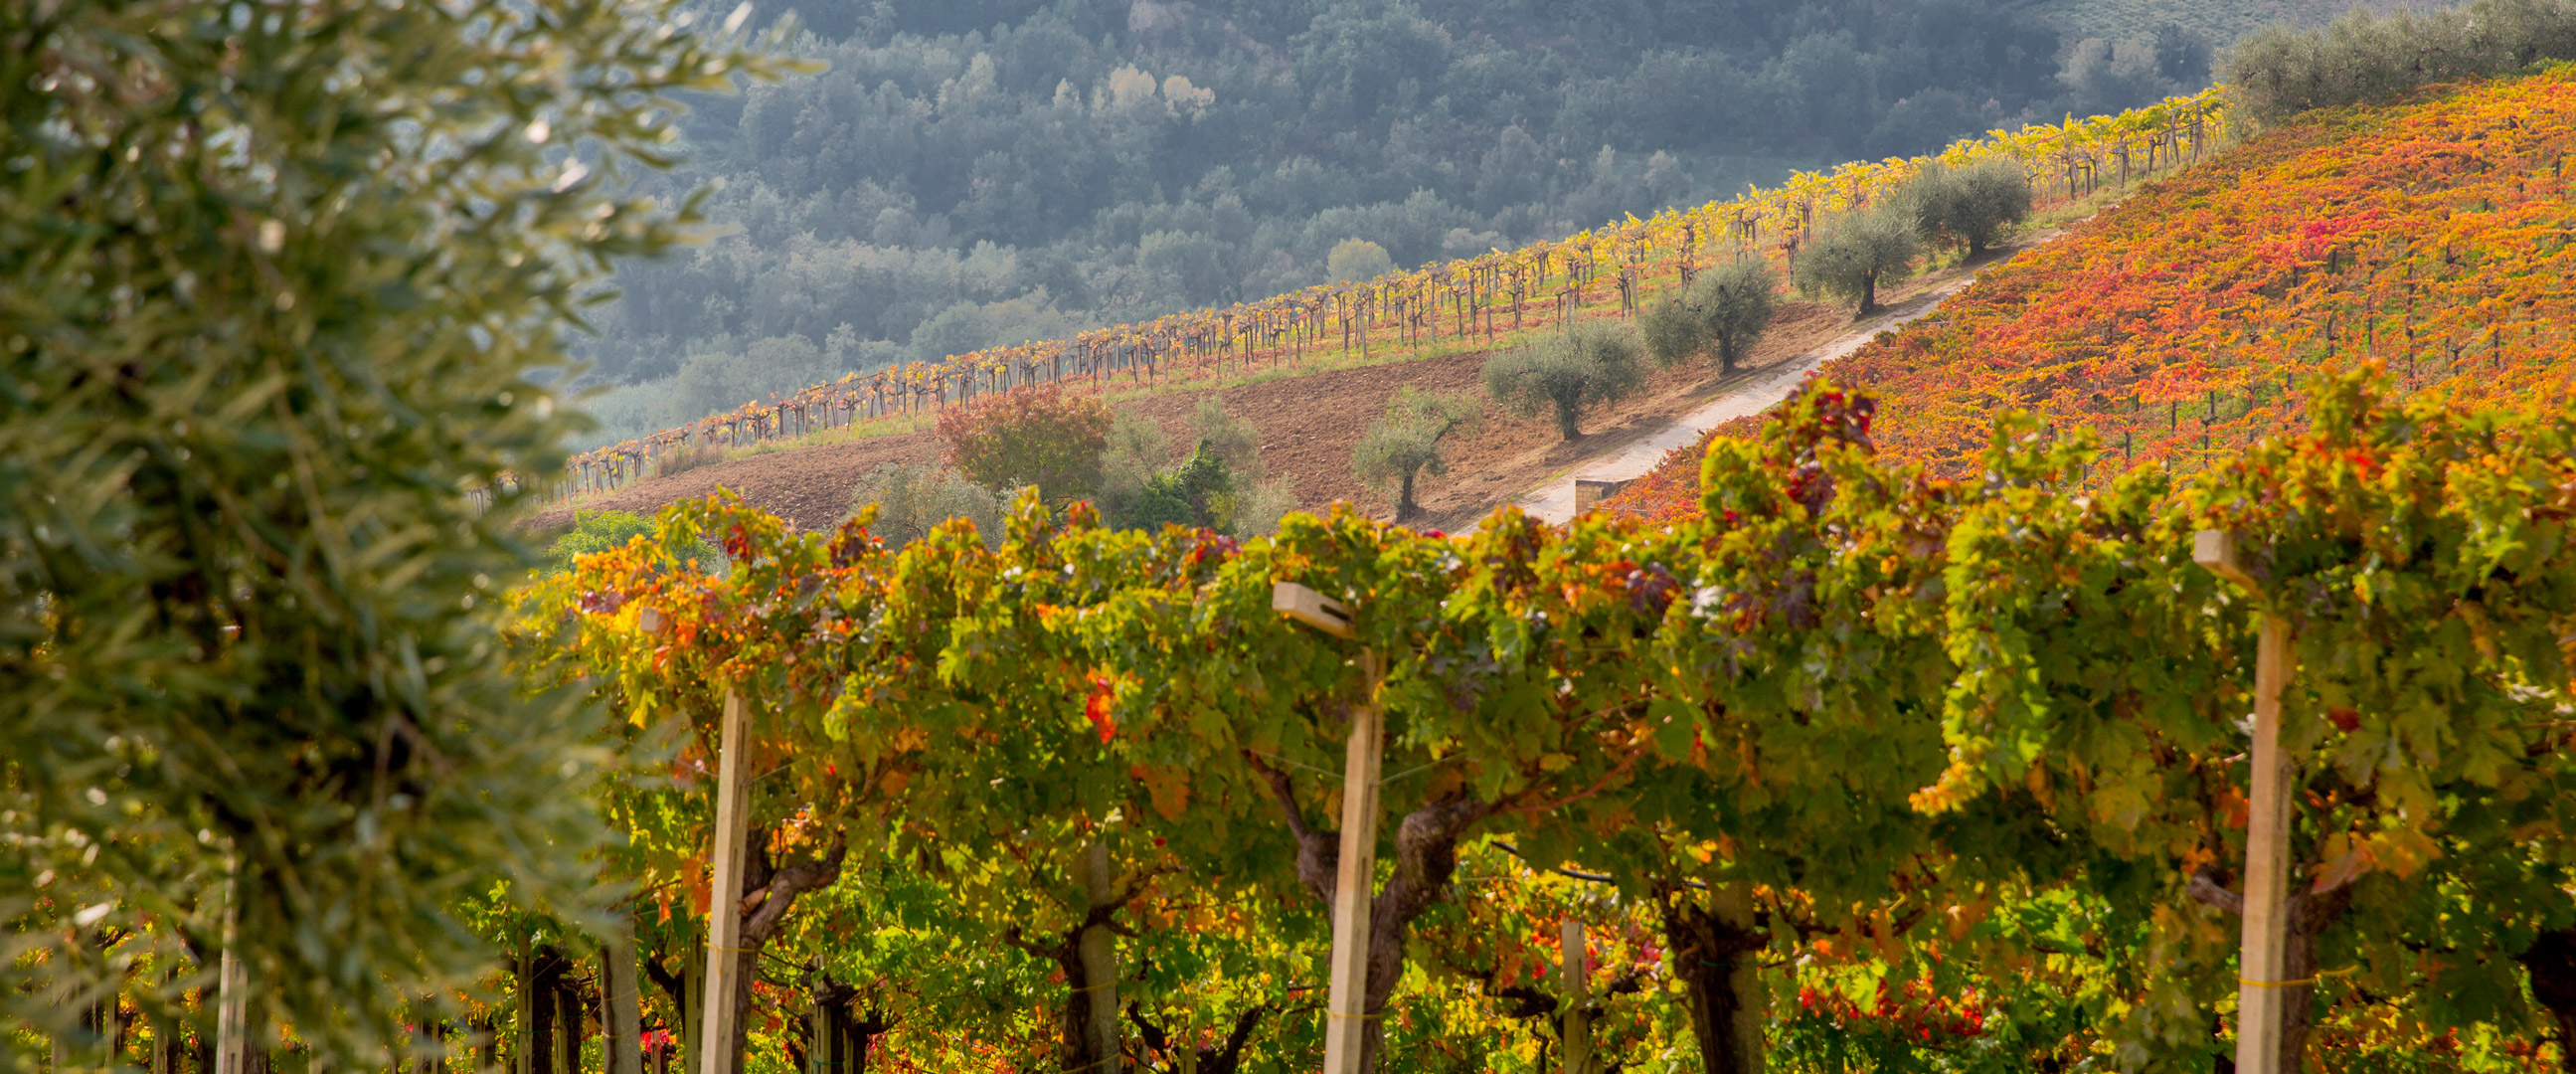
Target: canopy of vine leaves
1944, 749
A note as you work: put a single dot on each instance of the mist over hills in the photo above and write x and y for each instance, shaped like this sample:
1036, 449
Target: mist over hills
968, 173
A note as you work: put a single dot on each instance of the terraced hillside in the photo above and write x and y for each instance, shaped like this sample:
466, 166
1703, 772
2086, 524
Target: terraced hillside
2432, 236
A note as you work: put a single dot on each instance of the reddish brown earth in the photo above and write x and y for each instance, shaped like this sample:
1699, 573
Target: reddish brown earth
1308, 425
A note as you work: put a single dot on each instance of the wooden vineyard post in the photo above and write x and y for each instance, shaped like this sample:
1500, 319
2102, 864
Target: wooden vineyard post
724, 908
1098, 950
2260, 991
1355, 882
1578, 1023
232, 992
621, 1016
1355, 878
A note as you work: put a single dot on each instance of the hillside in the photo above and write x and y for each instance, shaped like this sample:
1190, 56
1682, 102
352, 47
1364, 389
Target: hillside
1308, 425
976, 174
1311, 369
2431, 236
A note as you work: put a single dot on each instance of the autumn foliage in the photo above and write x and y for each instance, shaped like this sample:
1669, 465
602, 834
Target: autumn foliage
1047, 437
2183, 324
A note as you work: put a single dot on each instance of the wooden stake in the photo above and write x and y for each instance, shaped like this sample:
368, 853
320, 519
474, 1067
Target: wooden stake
1098, 949
1355, 877
232, 995
2262, 990
1578, 986
621, 1018
1354, 883
724, 906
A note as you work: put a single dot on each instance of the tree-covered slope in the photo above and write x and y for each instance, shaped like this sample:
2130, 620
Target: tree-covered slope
965, 174
2432, 237
2220, 21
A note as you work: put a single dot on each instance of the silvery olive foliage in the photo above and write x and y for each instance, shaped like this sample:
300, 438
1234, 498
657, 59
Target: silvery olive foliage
273, 283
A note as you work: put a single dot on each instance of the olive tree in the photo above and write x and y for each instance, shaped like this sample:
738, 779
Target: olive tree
1849, 257
2279, 71
1967, 206
1725, 310
1404, 443
1567, 373
280, 283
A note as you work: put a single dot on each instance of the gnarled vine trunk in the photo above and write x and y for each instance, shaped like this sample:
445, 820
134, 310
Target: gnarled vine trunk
1710, 945
1426, 856
1080, 1048
768, 892
2551, 961
2308, 915
1225, 1058
1087, 955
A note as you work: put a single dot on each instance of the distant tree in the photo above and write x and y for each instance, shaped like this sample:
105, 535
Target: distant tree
2182, 55
911, 501
1567, 372
1404, 443
1047, 437
715, 383
2280, 71
284, 283
1968, 206
1358, 259
962, 328
2104, 76
1726, 310
1849, 257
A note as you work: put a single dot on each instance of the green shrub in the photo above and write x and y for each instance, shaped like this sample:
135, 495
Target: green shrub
594, 531
1198, 493
1232, 438
1258, 506
1567, 372
1136, 450
911, 501
1725, 310
1141, 488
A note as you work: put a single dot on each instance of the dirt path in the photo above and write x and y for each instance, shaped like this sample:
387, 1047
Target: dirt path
1750, 394
1555, 501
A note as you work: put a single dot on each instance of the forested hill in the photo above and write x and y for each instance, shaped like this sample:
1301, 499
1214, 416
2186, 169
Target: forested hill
966, 173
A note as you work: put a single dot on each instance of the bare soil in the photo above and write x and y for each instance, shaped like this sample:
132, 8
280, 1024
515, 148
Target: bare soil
1308, 426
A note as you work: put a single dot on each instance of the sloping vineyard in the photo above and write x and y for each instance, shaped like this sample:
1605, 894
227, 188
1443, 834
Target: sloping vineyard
2431, 238
1613, 268
1953, 763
